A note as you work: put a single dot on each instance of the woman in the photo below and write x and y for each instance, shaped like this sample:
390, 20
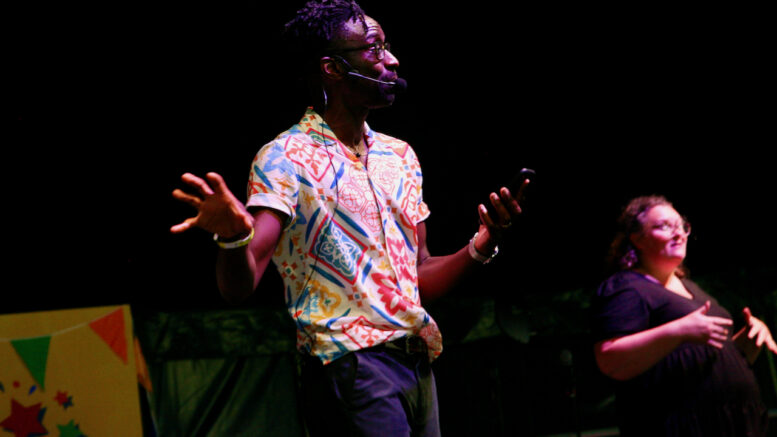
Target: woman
667, 343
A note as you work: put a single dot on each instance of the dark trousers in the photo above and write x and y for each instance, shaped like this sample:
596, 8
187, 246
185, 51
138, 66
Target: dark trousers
372, 392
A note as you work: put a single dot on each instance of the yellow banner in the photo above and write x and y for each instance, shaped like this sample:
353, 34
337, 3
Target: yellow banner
67, 373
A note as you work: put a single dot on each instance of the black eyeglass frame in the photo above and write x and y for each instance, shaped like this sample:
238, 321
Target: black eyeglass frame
378, 49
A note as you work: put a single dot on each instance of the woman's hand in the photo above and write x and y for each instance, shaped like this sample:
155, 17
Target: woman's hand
625, 357
753, 337
698, 327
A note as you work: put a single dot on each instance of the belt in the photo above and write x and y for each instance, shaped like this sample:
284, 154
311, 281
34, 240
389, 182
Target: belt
409, 344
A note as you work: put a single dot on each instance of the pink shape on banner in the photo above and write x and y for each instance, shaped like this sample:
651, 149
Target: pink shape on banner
24, 421
111, 329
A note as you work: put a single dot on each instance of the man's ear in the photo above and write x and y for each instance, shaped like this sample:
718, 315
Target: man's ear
331, 67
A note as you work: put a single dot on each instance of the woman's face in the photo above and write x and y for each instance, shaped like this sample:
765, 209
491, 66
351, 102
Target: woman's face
663, 238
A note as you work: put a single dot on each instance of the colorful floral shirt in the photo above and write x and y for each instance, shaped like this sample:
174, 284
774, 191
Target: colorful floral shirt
348, 251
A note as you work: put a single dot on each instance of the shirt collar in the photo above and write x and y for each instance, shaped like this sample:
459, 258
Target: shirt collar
319, 131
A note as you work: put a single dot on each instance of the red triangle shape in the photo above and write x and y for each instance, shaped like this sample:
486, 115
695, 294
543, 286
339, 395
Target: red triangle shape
111, 329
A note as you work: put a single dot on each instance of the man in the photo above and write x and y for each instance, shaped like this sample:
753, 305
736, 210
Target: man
338, 208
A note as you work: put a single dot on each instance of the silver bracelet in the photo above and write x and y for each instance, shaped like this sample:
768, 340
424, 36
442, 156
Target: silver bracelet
477, 256
234, 244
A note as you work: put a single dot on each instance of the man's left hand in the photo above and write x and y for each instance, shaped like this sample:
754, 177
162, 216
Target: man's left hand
506, 209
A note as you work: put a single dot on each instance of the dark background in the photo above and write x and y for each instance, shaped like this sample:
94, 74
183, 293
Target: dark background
110, 104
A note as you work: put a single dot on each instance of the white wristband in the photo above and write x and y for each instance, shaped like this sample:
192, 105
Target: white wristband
477, 256
234, 244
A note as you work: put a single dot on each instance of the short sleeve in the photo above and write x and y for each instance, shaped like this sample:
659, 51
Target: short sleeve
422, 209
618, 310
273, 181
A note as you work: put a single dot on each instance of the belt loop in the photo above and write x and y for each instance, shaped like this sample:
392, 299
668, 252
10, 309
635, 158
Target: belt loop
409, 345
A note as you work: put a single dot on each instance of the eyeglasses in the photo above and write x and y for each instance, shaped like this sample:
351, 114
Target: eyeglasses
377, 49
671, 228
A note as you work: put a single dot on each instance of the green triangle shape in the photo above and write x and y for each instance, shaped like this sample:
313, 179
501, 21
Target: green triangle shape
34, 352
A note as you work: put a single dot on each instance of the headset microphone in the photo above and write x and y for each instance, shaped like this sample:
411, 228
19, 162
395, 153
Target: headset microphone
398, 86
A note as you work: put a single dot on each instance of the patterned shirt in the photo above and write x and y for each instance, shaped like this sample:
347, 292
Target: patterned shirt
348, 251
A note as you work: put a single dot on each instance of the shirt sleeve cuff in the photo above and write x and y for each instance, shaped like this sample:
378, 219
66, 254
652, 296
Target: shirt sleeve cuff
272, 201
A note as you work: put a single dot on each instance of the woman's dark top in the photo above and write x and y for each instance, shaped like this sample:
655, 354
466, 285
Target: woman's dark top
697, 390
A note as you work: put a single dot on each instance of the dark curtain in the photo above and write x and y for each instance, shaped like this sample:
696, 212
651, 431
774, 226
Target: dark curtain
221, 373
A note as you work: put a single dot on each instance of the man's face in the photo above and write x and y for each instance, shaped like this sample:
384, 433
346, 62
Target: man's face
364, 50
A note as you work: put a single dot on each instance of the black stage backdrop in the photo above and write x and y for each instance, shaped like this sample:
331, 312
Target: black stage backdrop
111, 103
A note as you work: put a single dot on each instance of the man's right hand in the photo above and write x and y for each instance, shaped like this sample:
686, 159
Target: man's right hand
218, 210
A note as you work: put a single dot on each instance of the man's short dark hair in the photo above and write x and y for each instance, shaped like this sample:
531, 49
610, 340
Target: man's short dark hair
316, 25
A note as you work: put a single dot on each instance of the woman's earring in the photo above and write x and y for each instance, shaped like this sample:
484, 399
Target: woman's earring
630, 259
